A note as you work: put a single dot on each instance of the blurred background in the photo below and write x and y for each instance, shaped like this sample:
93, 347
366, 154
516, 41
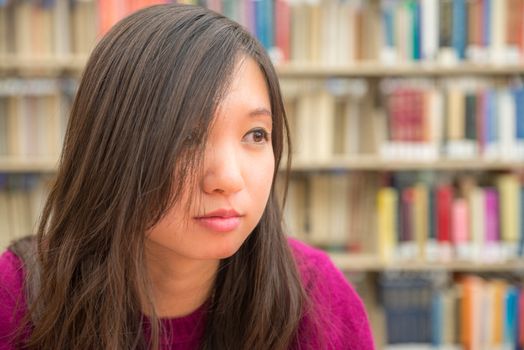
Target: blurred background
407, 121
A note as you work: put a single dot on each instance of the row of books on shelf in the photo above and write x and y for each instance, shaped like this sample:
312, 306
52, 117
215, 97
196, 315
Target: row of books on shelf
331, 32
33, 117
467, 312
411, 217
416, 119
449, 31
459, 118
21, 201
50, 28
439, 221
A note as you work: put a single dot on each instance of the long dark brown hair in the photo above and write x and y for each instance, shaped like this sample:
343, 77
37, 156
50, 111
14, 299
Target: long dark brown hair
145, 102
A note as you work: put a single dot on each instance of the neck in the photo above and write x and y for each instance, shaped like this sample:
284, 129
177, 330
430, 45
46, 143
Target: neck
179, 285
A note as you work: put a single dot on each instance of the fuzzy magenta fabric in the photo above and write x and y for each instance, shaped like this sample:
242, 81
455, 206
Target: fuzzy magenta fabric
335, 307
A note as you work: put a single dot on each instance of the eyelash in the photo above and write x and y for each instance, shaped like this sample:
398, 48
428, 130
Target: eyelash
265, 134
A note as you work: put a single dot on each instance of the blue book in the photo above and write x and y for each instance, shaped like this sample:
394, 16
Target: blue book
3, 181
264, 22
510, 323
459, 28
491, 111
47, 4
388, 22
416, 30
518, 95
407, 306
436, 319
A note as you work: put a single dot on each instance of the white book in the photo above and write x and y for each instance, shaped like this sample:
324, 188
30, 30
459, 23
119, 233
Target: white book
329, 24
54, 119
299, 28
435, 119
352, 126
477, 227
507, 125
498, 31
22, 15
27, 119
322, 127
62, 28
344, 34
430, 29
304, 142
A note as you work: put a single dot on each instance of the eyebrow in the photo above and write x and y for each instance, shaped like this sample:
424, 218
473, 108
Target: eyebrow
261, 111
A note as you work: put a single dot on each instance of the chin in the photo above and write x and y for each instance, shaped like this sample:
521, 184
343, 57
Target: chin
221, 250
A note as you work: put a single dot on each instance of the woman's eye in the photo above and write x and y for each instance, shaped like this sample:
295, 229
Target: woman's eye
256, 136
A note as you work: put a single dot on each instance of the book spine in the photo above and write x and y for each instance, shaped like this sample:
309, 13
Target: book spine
282, 28
429, 25
459, 28
486, 20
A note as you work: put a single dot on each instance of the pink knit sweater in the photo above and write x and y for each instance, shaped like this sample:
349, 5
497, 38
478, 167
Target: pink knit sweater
342, 313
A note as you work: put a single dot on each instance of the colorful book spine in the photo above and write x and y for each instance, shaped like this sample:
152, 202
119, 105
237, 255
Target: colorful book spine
492, 210
444, 204
459, 28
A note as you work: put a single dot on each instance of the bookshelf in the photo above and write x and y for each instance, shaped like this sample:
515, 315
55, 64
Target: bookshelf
34, 165
369, 152
370, 263
381, 70
372, 69
381, 164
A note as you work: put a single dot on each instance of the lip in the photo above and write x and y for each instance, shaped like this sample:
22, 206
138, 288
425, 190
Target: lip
220, 220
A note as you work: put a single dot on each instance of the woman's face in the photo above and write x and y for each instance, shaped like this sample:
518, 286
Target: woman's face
236, 180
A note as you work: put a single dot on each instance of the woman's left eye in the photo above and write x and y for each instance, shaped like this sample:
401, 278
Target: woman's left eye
256, 136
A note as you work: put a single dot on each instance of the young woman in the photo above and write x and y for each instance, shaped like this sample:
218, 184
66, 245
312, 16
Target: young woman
162, 229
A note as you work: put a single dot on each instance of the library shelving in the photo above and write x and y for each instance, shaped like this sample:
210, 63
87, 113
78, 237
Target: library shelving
407, 121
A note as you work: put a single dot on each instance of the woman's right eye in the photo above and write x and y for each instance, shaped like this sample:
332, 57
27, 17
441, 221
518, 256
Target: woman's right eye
256, 136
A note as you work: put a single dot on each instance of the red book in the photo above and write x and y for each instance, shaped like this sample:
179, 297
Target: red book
520, 29
515, 18
417, 115
396, 111
444, 205
282, 27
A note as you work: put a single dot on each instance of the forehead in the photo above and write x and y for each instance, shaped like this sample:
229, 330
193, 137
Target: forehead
248, 89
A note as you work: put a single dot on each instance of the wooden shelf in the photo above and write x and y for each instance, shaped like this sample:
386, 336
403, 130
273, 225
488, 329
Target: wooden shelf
378, 163
371, 69
28, 165
42, 66
369, 262
378, 70
372, 163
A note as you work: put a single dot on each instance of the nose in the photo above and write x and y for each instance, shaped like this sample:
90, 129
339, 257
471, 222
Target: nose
222, 170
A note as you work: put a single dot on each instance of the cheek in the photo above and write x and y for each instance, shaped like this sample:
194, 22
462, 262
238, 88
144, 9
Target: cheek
260, 178
167, 227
